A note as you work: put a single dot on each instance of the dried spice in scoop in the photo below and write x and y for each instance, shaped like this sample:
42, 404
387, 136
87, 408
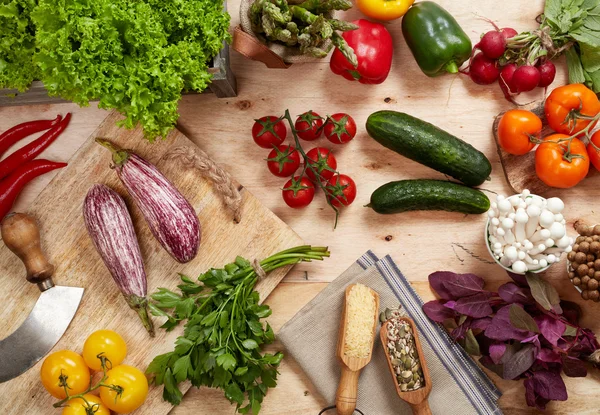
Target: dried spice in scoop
404, 356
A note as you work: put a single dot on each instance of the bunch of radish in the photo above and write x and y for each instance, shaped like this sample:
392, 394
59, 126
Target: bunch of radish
490, 62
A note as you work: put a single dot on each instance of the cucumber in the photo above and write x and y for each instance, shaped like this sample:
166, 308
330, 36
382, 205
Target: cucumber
426, 144
406, 195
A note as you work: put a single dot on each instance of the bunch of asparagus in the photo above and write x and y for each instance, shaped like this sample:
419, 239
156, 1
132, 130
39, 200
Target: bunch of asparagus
303, 25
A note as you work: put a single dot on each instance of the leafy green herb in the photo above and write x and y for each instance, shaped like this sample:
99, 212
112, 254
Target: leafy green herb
220, 345
17, 44
134, 56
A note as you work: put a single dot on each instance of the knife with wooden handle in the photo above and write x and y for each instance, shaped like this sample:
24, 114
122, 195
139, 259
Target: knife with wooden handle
54, 309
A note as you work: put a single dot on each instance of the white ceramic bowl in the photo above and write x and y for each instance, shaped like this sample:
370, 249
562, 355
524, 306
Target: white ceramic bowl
486, 234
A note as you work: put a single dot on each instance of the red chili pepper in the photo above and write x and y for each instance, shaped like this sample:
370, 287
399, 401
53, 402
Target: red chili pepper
33, 149
372, 44
18, 132
11, 187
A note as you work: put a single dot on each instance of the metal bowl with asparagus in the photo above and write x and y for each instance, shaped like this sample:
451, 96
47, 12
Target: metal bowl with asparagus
308, 26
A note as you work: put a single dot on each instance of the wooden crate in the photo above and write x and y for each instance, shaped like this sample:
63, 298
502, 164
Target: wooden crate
223, 85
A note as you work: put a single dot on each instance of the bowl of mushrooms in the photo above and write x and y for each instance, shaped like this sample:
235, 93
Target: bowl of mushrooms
526, 232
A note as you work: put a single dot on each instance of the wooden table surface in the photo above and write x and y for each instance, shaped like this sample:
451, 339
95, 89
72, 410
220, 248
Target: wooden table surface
420, 242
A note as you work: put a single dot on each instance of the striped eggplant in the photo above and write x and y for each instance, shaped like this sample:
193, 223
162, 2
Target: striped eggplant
110, 227
170, 216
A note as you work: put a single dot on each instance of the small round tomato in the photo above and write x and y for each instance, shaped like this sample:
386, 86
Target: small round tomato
563, 105
515, 128
340, 128
106, 343
593, 152
269, 131
341, 190
65, 367
283, 161
298, 192
322, 160
78, 406
309, 126
555, 167
134, 389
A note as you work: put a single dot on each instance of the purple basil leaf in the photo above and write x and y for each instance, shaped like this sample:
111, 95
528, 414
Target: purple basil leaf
496, 352
475, 306
519, 279
549, 385
521, 319
518, 363
548, 356
573, 367
551, 328
436, 311
501, 329
585, 346
571, 311
437, 282
532, 398
544, 293
529, 392
459, 332
481, 323
512, 293
450, 304
487, 362
533, 340
463, 285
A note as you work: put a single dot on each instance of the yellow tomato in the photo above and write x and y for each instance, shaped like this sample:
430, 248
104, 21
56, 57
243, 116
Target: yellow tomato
110, 344
384, 9
69, 366
78, 406
134, 387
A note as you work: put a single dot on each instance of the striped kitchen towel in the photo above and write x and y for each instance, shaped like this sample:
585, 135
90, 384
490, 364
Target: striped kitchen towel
459, 386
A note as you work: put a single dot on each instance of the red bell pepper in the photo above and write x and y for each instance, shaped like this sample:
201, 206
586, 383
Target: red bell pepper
372, 44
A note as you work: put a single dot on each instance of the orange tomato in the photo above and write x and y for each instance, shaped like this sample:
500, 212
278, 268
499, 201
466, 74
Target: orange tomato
71, 367
78, 406
594, 153
514, 130
551, 166
108, 343
134, 389
569, 99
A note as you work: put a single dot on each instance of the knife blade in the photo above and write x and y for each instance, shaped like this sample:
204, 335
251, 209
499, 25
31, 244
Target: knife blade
53, 311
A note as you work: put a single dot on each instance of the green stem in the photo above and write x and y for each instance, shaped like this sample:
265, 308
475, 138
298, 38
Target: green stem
119, 156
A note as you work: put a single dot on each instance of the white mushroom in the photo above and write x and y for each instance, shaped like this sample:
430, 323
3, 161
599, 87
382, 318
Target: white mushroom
555, 205
519, 267
546, 218
557, 230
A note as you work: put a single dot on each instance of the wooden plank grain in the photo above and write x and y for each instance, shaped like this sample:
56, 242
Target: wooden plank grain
59, 211
420, 242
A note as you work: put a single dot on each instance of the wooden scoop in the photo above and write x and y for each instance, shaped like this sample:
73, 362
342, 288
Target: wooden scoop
345, 397
417, 399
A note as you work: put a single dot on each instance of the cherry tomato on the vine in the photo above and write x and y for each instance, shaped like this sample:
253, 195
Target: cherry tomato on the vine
514, 130
269, 131
108, 343
565, 103
322, 160
341, 190
78, 406
340, 128
593, 152
283, 161
309, 126
134, 387
67, 367
557, 165
298, 192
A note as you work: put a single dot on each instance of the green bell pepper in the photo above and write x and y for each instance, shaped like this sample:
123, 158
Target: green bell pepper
435, 39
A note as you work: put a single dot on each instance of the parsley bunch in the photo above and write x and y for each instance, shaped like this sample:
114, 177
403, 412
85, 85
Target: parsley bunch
223, 331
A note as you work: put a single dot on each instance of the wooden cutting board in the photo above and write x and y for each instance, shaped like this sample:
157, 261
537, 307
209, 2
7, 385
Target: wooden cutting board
64, 237
520, 170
